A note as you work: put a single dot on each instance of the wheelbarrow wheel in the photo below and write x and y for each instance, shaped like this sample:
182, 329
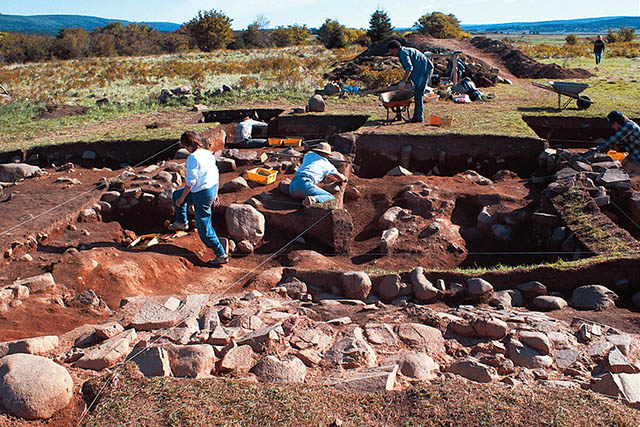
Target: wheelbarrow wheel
584, 102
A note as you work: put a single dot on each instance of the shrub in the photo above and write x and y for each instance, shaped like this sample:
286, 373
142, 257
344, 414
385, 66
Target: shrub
379, 26
626, 34
612, 36
571, 39
293, 35
332, 34
211, 30
439, 25
355, 36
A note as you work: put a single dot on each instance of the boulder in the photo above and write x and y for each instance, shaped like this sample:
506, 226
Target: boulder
368, 380
34, 387
356, 284
548, 303
390, 216
490, 328
270, 368
473, 370
37, 284
531, 290
422, 337
239, 359
244, 222
507, 299
152, 315
381, 334
295, 288
316, 104
191, 361
478, 287
389, 287
109, 353
152, 361
416, 365
388, 239
526, 356
351, 352
423, 289
536, 340
593, 297
236, 184
12, 172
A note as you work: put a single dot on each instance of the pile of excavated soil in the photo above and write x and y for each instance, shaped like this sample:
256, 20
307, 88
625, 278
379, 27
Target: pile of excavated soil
57, 111
524, 66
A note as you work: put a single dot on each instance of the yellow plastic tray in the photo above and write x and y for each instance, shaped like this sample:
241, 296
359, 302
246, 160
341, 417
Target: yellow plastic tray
262, 176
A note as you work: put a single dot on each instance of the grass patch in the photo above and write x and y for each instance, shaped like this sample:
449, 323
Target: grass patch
137, 401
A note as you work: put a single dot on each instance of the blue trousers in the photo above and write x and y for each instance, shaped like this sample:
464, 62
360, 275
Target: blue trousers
302, 187
598, 57
418, 96
254, 143
201, 201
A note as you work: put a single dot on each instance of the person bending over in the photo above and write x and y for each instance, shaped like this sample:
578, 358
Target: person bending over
244, 131
418, 68
201, 190
314, 169
626, 139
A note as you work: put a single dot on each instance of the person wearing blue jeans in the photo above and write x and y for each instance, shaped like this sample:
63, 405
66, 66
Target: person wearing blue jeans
314, 169
598, 48
418, 68
201, 190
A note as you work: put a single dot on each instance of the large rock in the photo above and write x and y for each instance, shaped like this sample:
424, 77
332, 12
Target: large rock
548, 303
244, 222
33, 387
36, 284
389, 287
423, 289
507, 299
626, 386
381, 334
536, 340
473, 370
236, 184
316, 104
356, 284
531, 290
36, 345
270, 368
191, 361
415, 365
109, 353
390, 216
214, 138
11, 172
490, 328
350, 352
593, 297
152, 361
526, 356
152, 315
371, 380
263, 338
238, 360
422, 337
479, 288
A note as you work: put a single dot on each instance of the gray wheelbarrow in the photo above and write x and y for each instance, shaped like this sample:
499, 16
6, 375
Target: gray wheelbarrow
571, 90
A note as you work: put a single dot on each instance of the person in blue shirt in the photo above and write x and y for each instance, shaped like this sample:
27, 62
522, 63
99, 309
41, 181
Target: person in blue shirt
418, 68
314, 169
625, 139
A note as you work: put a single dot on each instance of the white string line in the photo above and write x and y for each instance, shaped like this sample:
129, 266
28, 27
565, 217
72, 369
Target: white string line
95, 187
218, 295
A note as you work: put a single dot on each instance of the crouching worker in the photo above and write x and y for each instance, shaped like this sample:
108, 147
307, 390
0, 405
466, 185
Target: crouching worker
201, 190
625, 139
244, 132
315, 168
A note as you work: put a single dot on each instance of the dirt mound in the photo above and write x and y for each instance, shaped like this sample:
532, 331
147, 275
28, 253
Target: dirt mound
524, 66
57, 111
375, 59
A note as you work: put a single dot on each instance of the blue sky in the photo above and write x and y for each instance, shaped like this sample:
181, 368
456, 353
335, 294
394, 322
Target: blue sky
353, 13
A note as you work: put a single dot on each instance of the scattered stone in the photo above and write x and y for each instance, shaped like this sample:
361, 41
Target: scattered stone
526, 356
109, 353
369, 380
388, 239
108, 330
12, 172
414, 365
235, 185
356, 284
548, 303
478, 287
351, 352
565, 358
423, 289
154, 316
238, 360
381, 334
244, 247
423, 337
191, 361
36, 346
531, 290
244, 222
490, 328
270, 368
152, 361
34, 387
536, 340
473, 370
38, 284
618, 363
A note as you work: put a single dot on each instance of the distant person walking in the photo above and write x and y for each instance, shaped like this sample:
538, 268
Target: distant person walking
598, 48
418, 68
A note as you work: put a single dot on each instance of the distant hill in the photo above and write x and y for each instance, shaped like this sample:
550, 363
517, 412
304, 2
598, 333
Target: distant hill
51, 24
588, 25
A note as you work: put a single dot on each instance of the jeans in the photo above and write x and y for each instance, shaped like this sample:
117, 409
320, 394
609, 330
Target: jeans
201, 201
254, 143
302, 187
418, 94
598, 57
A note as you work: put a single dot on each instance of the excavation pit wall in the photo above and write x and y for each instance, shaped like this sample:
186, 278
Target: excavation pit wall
445, 155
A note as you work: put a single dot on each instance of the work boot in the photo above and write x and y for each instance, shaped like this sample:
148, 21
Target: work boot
177, 226
219, 260
308, 201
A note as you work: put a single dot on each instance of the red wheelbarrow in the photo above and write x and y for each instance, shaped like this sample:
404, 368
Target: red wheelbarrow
569, 89
396, 102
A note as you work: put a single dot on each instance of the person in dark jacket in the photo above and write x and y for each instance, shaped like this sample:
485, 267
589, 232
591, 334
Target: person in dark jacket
598, 48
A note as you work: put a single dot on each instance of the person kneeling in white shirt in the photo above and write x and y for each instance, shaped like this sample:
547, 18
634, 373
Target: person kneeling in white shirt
314, 169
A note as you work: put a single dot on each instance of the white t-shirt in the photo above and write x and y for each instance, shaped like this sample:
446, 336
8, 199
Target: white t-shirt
243, 131
202, 170
315, 167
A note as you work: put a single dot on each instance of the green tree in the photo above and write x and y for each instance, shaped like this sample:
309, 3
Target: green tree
379, 26
332, 34
439, 25
571, 39
256, 34
72, 43
626, 34
612, 36
211, 30
291, 35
